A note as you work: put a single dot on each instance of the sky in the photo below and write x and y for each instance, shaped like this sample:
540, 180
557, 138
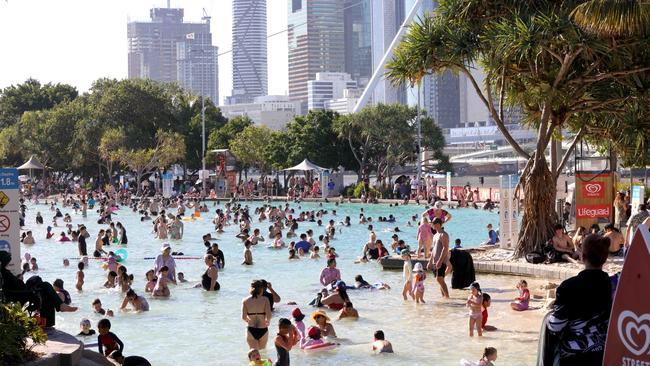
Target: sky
79, 41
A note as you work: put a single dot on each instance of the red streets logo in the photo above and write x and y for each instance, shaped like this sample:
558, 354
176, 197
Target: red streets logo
593, 190
593, 211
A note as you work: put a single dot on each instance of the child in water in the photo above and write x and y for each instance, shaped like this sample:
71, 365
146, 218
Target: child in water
348, 311
161, 289
487, 301
256, 359
489, 355
286, 338
474, 303
86, 328
107, 341
110, 279
80, 276
418, 284
151, 280
380, 344
407, 274
521, 302
298, 316
181, 277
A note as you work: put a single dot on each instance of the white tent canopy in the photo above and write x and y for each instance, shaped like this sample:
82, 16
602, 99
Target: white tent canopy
306, 165
32, 163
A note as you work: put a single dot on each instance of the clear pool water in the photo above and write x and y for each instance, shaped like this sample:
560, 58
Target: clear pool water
194, 327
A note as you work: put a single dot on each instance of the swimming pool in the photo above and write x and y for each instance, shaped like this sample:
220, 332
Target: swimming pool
194, 327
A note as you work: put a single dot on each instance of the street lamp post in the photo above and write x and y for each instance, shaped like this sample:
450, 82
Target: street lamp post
203, 184
203, 178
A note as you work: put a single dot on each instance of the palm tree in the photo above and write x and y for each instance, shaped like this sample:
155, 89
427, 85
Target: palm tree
535, 57
613, 18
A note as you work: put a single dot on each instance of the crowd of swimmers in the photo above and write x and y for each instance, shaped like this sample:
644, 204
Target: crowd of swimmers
257, 308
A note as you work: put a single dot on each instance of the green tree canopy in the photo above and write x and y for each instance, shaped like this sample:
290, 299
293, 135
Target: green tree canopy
535, 57
31, 96
312, 137
220, 138
249, 147
384, 136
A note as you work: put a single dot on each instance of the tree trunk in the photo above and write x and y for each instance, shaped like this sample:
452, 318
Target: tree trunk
537, 187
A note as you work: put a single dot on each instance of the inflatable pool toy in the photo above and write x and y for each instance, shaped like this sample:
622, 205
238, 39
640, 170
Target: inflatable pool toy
321, 347
464, 362
192, 218
262, 362
121, 255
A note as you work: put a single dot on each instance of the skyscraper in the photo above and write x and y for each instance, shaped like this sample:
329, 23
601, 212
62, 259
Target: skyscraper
169, 50
387, 18
441, 98
441, 94
316, 42
358, 40
249, 60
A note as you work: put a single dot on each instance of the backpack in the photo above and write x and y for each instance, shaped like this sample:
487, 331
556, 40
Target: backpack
535, 257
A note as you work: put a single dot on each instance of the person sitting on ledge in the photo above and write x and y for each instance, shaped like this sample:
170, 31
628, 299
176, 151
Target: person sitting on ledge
563, 248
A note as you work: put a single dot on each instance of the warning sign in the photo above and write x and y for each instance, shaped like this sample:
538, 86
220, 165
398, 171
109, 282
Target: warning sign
10, 216
4, 199
5, 223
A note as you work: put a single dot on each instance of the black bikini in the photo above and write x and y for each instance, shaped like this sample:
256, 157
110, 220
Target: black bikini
257, 333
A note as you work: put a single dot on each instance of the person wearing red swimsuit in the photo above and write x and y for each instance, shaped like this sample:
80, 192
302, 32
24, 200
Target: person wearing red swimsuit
107, 341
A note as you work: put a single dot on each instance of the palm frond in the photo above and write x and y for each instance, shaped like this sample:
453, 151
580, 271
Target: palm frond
613, 18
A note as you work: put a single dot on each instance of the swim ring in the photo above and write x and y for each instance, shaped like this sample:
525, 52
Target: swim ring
121, 255
321, 347
266, 362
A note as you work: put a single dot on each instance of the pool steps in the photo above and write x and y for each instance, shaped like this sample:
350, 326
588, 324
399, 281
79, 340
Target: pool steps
63, 349
498, 267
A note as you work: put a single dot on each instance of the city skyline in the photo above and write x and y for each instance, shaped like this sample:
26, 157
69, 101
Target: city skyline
101, 29
106, 51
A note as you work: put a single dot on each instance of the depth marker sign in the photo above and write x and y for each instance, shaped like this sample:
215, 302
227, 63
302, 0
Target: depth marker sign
10, 216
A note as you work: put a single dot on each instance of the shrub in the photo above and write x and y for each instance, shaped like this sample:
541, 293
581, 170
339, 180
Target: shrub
15, 328
358, 190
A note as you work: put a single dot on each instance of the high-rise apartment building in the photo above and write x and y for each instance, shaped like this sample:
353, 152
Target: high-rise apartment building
441, 98
169, 50
316, 42
328, 86
249, 46
440, 93
358, 40
387, 17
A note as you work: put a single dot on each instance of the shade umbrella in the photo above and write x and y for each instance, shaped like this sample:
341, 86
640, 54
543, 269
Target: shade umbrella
306, 165
31, 164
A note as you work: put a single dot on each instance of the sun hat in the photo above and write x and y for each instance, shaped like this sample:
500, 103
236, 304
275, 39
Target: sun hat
405, 252
297, 314
165, 247
418, 267
319, 313
313, 332
438, 204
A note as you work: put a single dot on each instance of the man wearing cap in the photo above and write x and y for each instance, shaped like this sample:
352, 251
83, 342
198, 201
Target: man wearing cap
438, 260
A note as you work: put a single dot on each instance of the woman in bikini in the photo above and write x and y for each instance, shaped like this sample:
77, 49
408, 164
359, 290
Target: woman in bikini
256, 312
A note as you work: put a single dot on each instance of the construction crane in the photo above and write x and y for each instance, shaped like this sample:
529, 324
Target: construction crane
206, 17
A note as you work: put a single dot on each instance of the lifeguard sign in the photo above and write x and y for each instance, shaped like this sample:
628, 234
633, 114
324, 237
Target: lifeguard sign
628, 336
594, 189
